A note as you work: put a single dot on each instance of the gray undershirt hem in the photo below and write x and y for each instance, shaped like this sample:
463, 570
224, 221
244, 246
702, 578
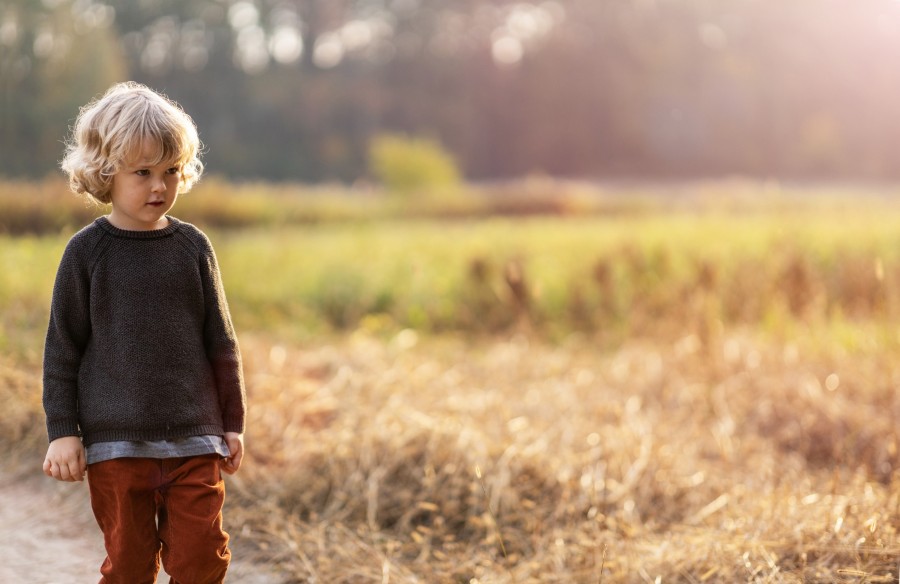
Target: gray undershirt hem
191, 446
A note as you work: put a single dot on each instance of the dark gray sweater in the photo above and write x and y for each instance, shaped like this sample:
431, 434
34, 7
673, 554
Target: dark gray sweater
140, 344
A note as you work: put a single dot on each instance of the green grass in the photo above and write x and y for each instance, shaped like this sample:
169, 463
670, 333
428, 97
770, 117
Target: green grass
681, 261
419, 273
27, 272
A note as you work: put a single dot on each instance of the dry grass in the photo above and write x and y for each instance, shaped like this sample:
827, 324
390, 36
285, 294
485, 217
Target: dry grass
734, 461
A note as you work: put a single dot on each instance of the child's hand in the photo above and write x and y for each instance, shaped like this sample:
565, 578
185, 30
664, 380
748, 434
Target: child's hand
65, 460
235, 443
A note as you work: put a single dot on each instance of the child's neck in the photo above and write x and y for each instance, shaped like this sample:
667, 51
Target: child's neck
118, 223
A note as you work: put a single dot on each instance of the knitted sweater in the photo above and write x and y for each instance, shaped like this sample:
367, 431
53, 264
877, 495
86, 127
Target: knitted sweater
140, 344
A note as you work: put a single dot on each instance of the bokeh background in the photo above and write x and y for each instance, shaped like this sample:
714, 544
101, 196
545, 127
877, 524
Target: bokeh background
296, 90
577, 291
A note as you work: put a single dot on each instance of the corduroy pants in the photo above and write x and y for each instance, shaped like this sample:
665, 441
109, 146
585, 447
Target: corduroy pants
149, 508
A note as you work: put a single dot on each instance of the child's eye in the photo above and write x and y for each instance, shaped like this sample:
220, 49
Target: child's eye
174, 170
142, 172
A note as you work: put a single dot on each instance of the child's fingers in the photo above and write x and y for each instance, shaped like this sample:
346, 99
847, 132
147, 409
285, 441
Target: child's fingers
65, 460
236, 459
227, 465
53, 470
69, 471
231, 464
64, 474
56, 471
74, 469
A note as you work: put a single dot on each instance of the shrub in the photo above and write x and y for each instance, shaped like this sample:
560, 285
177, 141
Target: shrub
407, 165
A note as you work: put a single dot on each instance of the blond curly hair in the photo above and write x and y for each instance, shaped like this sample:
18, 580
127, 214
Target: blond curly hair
111, 130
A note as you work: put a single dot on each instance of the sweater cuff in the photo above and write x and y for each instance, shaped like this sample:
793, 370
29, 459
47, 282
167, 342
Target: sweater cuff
62, 428
234, 425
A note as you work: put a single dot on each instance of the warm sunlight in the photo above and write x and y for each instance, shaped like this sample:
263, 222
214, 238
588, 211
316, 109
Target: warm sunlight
470, 291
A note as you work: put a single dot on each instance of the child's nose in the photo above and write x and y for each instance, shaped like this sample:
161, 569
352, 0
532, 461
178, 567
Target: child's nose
159, 185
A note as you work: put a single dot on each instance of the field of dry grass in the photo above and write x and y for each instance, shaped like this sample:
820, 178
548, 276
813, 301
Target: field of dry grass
517, 462
439, 460
712, 438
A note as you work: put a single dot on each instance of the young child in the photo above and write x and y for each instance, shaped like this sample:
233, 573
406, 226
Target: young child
143, 387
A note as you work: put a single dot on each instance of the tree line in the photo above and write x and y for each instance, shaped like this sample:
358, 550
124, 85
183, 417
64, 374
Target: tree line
299, 89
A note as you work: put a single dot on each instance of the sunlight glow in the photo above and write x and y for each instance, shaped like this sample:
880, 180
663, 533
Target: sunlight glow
529, 21
194, 45
286, 44
9, 32
43, 43
355, 35
251, 52
155, 53
555, 10
88, 15
523, 25
328, 51
370, 38
243, 14
507, 50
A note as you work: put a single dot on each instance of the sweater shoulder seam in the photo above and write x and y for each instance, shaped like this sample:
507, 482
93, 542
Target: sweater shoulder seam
193, 240
99, 250
89, 245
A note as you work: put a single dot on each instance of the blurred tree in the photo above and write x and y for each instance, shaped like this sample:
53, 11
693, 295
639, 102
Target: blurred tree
411, 165
56, 57
297, 89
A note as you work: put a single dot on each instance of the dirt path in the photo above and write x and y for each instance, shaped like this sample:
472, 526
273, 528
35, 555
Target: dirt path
48, 536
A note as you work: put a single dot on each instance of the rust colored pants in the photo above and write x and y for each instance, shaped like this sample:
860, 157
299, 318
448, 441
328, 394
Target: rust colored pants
171, 507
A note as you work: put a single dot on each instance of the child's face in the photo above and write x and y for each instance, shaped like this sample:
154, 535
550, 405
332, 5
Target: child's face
143, 193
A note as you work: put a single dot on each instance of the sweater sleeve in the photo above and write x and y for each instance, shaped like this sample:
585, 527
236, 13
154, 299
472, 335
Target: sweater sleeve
221, 345
67, 336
